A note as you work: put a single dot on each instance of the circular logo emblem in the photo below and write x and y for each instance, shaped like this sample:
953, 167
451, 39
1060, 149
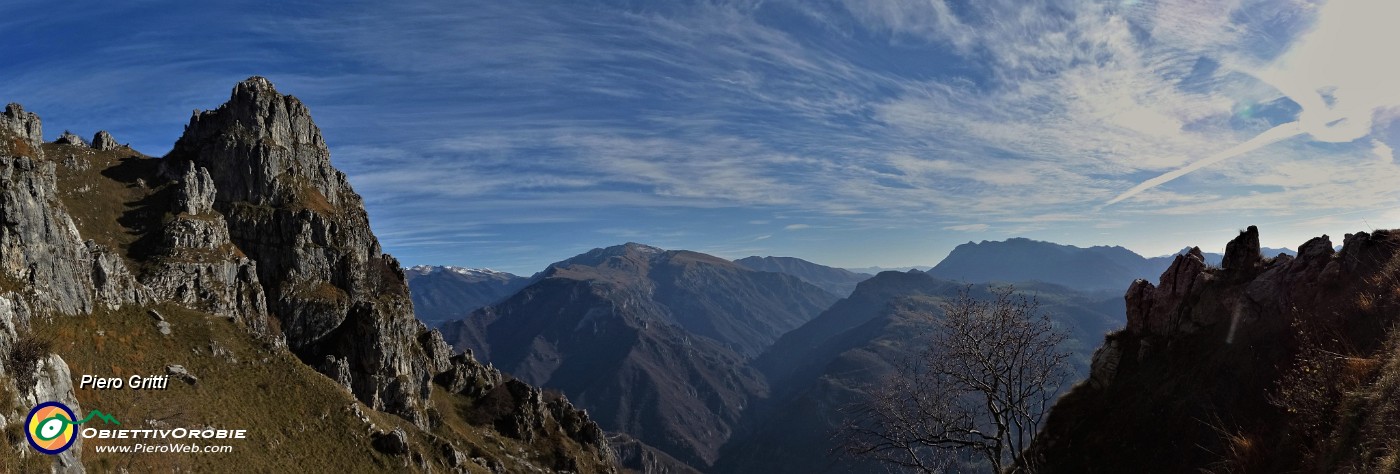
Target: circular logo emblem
49, 427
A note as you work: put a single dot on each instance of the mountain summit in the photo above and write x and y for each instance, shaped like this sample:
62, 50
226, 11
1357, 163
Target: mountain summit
1019, 259
653, 342
294, 214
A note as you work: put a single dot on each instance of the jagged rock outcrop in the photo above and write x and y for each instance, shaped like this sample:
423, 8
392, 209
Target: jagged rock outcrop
1242, 254
112, 282
27, 132
1151, 309
196, 193
521, 411
639, 457
70, 138
1207, 369
198, 265
295, 215
468, 377
103, 141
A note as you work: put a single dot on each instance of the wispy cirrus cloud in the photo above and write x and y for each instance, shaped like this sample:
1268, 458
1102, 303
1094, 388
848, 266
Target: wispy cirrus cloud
706, 124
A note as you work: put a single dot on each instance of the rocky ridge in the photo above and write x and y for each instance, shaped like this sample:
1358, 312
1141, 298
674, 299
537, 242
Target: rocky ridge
244, 220
1262, 364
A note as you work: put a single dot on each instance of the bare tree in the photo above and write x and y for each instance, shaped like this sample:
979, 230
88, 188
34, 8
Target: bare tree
981, 389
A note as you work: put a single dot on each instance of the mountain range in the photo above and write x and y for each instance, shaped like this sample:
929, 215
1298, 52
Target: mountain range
444, 293
838, 281
708, 361
653, 343
1092, 268
242, 264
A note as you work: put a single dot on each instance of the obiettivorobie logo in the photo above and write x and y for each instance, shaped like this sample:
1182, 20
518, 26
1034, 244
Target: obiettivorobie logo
50, 427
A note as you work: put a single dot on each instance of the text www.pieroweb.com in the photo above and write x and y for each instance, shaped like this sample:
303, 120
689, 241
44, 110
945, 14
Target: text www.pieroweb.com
163, 448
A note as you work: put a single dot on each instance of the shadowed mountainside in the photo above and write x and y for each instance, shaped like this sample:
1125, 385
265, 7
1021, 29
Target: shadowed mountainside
444, 294
654, 343
829, 363
838, 281
1086, 269
1262, 365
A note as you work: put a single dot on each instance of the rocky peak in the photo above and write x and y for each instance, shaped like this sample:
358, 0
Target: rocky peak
265, 145
1242, 254
103, 141
621, 261
25, 125
1151, 309
343, 305
196, 192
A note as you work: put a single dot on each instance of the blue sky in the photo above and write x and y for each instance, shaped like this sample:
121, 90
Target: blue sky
847, 132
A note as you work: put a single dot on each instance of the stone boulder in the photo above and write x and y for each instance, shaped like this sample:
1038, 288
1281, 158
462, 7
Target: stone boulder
392, 442
70, 138
103, 141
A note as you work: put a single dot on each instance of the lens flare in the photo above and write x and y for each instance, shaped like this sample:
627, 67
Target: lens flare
1332, 73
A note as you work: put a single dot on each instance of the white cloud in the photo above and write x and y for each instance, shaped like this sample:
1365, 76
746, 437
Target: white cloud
1383, 152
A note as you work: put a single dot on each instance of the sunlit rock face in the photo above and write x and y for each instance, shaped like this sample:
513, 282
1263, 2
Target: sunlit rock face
296, 217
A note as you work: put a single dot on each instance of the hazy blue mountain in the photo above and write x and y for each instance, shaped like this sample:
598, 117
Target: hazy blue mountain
1086, 269
838, 281
877, 270
444, 293
827, 364
654, 343
1019, 259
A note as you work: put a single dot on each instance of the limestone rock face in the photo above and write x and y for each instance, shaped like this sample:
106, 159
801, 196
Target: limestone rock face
196, 192
468, 377
40, 249
26, 128
112, 283
295, 215
1154, 309
1215, 344
104, 141
1105, 363
198, 264
257, 225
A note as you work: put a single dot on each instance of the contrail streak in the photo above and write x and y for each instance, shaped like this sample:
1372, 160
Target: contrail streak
1270, 136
